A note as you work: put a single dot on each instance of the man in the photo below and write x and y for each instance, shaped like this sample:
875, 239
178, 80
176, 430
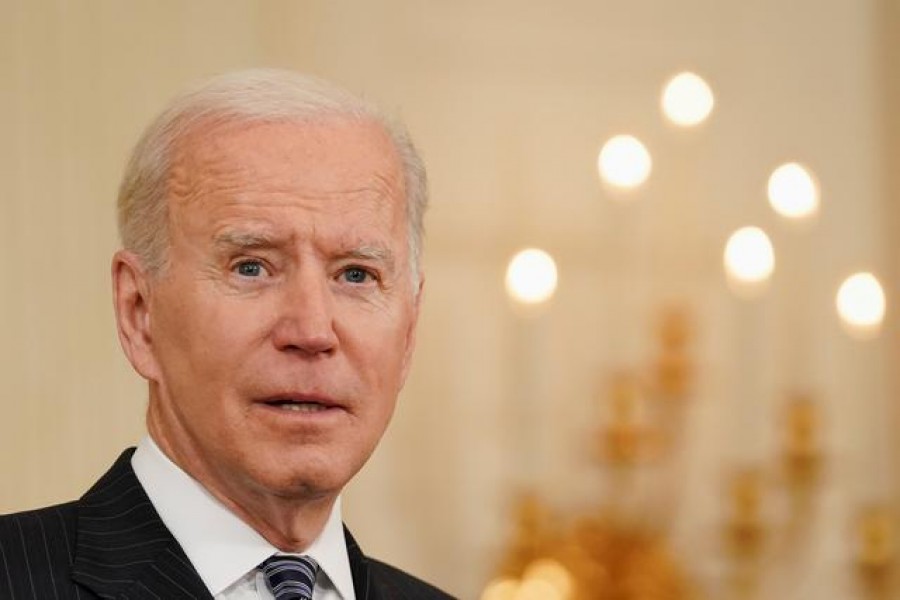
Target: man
268, 290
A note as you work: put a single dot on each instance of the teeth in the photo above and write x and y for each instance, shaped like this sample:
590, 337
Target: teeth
303, 407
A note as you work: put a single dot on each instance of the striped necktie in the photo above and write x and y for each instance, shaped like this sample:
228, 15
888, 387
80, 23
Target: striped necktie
290, 577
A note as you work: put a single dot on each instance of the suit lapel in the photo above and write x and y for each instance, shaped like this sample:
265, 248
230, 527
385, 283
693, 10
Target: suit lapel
363, 585
123, 549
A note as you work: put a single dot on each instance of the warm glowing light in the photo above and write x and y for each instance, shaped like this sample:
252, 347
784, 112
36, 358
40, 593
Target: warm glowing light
552, 572
624, 162
544, 579
793, 192
749, 257
538, 589
687, 100
531, 277
861, 304
504, 588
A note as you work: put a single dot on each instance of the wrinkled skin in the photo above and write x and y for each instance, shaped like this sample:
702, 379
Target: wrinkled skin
288, 283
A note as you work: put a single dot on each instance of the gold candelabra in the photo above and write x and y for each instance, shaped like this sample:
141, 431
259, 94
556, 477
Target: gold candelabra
608, 555
621, 549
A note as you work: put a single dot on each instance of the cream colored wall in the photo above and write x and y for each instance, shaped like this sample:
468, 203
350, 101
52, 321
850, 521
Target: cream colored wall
889, 16
509, 102
79, 80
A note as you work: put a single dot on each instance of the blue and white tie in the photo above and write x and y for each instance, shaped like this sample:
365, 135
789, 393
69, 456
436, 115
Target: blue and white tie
290, 577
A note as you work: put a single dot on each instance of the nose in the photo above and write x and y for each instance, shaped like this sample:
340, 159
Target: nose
306, 321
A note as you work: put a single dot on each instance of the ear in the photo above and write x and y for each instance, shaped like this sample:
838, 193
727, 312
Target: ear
131, 302
411, 331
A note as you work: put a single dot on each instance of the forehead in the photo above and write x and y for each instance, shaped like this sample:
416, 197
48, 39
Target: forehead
333, 156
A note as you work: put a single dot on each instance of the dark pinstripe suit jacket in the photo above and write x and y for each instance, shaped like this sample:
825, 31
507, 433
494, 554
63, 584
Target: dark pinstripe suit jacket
112, 544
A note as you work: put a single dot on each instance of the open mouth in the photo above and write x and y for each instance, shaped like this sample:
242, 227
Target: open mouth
297, 405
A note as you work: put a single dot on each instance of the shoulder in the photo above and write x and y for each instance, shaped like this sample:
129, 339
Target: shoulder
399, 585
53, 525
35, 543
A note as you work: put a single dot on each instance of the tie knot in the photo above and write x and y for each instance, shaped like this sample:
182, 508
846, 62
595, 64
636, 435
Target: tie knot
290, 577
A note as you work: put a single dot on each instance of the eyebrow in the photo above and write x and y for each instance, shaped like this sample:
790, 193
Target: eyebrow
375, 253
254, 240
247, 239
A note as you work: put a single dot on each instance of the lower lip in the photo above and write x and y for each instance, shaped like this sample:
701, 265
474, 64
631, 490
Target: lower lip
304, 408
316, 417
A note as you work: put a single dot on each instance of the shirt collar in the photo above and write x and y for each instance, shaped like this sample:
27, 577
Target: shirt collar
221, 546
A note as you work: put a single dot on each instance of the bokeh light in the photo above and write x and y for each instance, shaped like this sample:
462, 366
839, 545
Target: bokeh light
861, 304
749, 257
624, 162
503, 588
531, 277
553, 573
543, 579
687, 99
793, 192
538, 589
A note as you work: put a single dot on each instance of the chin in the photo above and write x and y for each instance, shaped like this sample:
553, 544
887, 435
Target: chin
309, 479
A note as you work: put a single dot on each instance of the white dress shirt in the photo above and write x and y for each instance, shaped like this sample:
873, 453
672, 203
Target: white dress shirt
224, 550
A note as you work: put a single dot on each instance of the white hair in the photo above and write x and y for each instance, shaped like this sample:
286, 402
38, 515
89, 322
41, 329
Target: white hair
254, 95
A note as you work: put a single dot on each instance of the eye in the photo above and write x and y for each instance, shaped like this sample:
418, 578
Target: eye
356, 275
249, 268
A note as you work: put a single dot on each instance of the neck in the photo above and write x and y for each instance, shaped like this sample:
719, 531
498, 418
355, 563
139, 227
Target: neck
289, 526
290, 523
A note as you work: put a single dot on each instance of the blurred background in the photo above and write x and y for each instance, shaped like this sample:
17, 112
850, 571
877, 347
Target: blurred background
633, 412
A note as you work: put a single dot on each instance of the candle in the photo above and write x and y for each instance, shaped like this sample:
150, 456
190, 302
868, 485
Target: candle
861, 305
531, 279
749, 262
793, 194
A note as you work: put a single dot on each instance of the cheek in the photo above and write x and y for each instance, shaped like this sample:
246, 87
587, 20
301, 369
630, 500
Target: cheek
196, 339
385, 353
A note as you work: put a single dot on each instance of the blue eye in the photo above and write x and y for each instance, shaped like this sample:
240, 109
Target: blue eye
249, 269
356, 275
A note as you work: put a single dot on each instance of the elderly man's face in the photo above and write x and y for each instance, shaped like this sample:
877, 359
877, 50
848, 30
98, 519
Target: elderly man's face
280, 335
